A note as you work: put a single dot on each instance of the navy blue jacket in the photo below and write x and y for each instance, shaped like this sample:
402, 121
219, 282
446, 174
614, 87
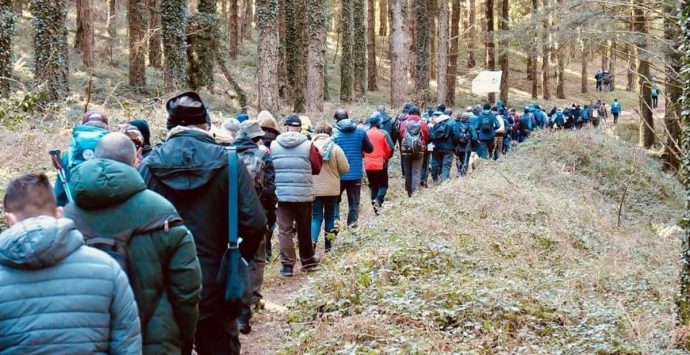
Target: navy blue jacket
447, 143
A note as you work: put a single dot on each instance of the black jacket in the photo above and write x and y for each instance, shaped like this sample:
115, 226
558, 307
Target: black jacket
268, 195
190, 170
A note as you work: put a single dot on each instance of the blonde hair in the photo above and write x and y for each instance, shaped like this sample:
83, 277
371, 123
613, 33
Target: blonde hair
323, 127
266, 119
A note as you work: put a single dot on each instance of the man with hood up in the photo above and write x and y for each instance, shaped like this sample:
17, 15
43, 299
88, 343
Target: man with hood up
295, 160
191, 171
58, 295
355, 143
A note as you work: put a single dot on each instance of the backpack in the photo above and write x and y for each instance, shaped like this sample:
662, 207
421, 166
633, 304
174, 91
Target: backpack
253, 160
399, 120
559, 119
462, 133
595, 113
654, 92
486, 125
526, 121
84, 142
412, 141
440, 131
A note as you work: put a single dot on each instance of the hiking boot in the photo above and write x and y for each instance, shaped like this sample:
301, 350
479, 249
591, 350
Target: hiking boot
244, 328
260, 305
311, 267
377, 207
287, 271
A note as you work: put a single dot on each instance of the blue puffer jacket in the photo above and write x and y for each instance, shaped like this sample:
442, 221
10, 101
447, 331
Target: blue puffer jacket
57, 295
354, 142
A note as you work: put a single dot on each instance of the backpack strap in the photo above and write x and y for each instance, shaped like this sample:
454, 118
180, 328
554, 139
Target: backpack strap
233, 206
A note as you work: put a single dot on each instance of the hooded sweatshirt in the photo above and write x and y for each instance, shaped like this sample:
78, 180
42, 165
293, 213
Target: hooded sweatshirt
57, 294
355, 143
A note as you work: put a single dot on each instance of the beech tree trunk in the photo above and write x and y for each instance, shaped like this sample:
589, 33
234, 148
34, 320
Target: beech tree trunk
316, 30
267, 16
453, 55
136, 21
646, 116
7, 23
359, 48
423, 30
472, 34
155, 51
442, 75
233, 24
383, 17
399, 52
371, 48
503, 25
346, 62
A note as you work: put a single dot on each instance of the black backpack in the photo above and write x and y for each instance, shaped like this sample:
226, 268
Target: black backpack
462, 133
440, 132
411, 143
486, 125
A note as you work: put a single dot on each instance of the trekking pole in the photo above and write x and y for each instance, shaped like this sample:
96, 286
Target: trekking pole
55, 158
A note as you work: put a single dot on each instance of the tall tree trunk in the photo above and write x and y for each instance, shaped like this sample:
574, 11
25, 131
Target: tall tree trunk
412, 29
534, 67
490, 43
432, 14
371, 48
423, 30
442, 77
646, 115
359, 48
247, 20
583, 66
136, 22
560, 73
605, 55
202, 31
50, 46
472, 34
383, 17
295, 19
233, 24
18, 7
612, 65
346, 62
631, 58
173, 19
282, 50
683, 300
7, 23
79, 31
504, 25
267, 15
87, 41
112, 30
316, 29
453, 54
155, 51
673, 89
546, 53
399, 52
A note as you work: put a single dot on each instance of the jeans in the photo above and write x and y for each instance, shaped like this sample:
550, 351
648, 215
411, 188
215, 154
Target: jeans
323, 210
378, 184
412, 166
353, 189
463, 161
615, 117
655, 101
215, 335
487, 147
441, 164
424, 169
297, 215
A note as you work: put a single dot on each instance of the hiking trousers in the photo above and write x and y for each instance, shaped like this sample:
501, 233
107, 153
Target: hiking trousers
291, 216
487, 147
463, 162
378, 185
412, 166
215, 335
441, 164
424, 169
353, 189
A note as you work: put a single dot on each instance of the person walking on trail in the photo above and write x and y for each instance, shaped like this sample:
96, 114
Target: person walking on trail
599, 78
616, 110
441, 135
327, 185
500, 134
414, 134
387, 123
295, 160
376, 162
58, 295
463, 135
430, 118
655, 97
111, 199
487, 124
559, 119
355, 143
270, 127
143, 127
399, 119
527, 124
226, 132
259, 164
85, 137
192, 172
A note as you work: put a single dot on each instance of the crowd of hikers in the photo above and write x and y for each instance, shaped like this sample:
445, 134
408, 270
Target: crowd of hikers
162, 250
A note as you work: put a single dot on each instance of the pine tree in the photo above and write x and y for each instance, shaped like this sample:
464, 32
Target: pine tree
423, 31
583, 66
546, 52
50, 45
673, 89
683, 301
233, 22
560, 72
136, 20
174, 26
346, 61
155, 51
267, 16
453, 54
646, 116
399, 62
112, 30
7, 25
296, 56
383, 17
503, 25
201, 34
490, 42
472, 34
316, 30
85, 37
442, 76
359, 47
371, 48
533, 65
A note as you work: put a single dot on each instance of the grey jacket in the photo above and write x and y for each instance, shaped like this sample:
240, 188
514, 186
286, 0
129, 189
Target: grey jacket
58, 295
291, 160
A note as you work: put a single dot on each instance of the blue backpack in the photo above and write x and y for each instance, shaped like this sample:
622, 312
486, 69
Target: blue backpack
84, 142
526, 121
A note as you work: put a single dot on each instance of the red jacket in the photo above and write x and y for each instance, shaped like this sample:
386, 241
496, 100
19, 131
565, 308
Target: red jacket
425, 128
376, 160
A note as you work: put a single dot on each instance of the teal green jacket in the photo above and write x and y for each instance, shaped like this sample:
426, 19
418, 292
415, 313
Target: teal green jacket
110, 197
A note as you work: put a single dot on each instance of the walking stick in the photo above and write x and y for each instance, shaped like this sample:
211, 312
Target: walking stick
55, 158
